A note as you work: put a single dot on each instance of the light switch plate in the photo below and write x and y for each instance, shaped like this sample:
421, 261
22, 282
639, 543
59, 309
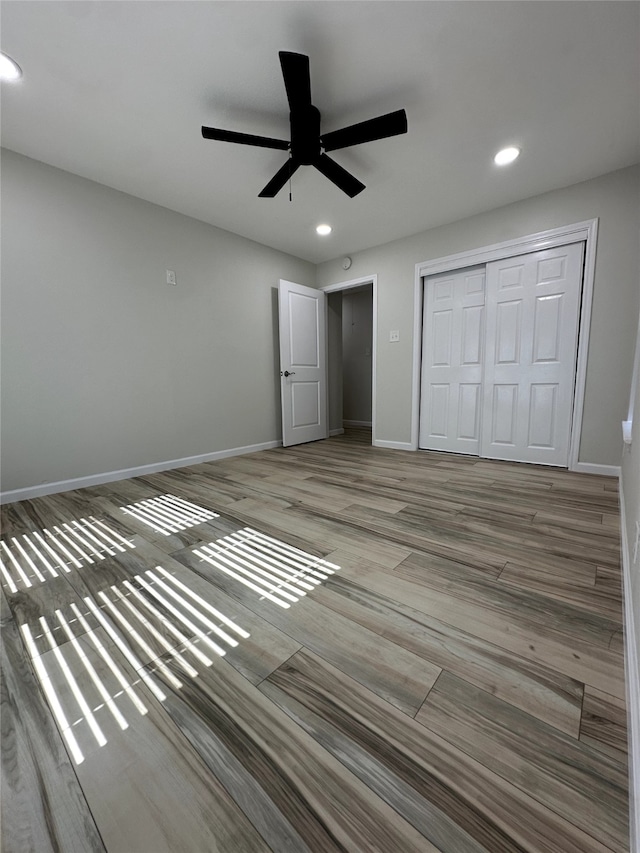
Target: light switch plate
171, 277
394, 336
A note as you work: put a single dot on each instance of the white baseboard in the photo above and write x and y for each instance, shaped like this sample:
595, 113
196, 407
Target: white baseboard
393, 445
632, 673
592, 468
336, 432
356, 423
127, 473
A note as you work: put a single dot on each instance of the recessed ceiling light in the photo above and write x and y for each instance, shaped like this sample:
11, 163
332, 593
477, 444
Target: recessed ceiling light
323, 230
507, 155
9, 70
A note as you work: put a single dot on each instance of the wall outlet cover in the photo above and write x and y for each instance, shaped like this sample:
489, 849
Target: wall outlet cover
394, 336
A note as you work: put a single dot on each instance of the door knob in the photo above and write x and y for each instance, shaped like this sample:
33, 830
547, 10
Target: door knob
286, 373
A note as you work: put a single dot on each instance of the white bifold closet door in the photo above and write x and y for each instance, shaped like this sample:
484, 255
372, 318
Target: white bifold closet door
528, 341
533, 303
452, 361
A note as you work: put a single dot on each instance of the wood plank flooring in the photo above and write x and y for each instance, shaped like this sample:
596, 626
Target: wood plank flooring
330, 647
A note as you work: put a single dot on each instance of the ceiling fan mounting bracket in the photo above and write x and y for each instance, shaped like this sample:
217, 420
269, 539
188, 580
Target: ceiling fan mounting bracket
305, 134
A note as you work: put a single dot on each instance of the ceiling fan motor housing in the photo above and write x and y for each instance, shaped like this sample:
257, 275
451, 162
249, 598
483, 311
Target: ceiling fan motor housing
305, 134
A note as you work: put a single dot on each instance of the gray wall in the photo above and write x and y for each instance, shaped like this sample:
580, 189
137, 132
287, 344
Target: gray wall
614, 198
106, 366
357, 338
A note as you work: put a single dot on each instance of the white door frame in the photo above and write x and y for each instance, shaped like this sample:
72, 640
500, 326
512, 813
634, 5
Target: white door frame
586, 232
349, 285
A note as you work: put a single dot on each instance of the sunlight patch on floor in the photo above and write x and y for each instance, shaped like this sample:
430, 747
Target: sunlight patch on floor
169, 514
278, 572
89, 660
32, 558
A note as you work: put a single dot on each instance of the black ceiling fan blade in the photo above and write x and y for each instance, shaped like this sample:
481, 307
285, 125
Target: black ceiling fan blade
391, 124
279, 179
297, 82
244, 138
339, 176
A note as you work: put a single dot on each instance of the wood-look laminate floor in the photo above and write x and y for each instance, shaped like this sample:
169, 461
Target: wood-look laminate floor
330, 647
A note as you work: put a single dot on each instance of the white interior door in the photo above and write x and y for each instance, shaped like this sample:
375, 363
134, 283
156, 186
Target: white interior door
303, 363
452, 361
533, 303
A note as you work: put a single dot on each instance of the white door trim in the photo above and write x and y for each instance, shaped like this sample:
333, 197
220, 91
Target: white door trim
349, 285
627, 426
587, 232
632, 680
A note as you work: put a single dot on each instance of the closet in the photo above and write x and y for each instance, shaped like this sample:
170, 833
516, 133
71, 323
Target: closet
499, 347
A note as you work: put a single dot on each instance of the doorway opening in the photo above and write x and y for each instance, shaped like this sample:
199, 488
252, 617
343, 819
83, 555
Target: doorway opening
351, 334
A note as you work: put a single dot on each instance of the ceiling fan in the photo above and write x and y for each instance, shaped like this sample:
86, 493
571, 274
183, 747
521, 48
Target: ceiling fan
308, 146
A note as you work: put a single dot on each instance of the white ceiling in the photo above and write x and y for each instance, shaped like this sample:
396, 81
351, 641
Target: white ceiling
117, 91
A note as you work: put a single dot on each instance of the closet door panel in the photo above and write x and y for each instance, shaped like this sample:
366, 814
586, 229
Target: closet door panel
452, 361
533, 304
